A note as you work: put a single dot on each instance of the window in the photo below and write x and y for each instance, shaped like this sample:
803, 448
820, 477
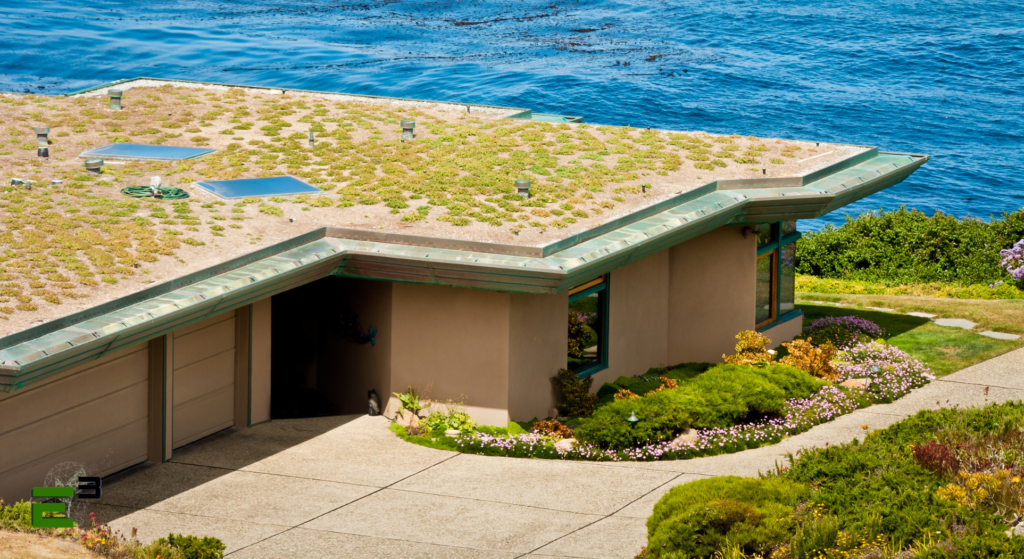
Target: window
775, 272
588, 327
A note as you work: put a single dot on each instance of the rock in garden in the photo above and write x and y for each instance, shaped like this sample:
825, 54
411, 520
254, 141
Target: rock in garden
687, 437
565, 444
861, 383
406, 419
553, 412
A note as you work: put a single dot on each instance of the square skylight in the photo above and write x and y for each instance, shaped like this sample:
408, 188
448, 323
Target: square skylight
146, 153
271, 186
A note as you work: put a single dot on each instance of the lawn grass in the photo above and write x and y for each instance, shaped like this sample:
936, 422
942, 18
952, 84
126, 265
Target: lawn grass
945, 350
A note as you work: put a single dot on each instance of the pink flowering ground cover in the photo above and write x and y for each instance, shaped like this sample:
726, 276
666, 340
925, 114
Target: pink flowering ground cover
892, 373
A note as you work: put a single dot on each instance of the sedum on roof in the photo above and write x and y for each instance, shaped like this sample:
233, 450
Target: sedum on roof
77, 244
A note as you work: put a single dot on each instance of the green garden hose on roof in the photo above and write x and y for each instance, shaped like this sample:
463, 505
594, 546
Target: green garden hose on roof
161, 192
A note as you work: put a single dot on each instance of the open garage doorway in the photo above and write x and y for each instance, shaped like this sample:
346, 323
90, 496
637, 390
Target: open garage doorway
331, 346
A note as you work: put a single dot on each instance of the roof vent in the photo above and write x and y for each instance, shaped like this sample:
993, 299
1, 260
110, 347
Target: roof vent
312, 139
115, 99
407, 129
523, 188
94, 166
41, 133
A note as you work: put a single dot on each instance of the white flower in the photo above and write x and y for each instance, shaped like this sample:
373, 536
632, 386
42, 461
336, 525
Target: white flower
771, 351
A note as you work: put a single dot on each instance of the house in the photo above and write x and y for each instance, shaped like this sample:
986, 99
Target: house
657, 246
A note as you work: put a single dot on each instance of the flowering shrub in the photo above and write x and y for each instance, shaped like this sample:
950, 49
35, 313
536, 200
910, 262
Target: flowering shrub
452, 415
1013, 261
552, 428
812, 359
842, 331
891, 371
625, 394
750, 350
576, 392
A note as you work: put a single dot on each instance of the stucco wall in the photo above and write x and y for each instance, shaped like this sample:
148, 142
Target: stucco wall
538, 338
203, 378
95, 414
456, 339
638, 318
711, 294
785, 332
347, 370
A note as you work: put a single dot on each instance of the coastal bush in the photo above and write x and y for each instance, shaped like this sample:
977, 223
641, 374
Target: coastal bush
751, 350
842, 331
192, 547
651, 380
718, 398
907, 246
870, 499
696, 519
578, 401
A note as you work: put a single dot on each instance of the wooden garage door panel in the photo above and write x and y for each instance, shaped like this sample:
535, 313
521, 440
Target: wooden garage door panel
102, 455
69, 427
88, 384
206, 376
203, 416
203, 344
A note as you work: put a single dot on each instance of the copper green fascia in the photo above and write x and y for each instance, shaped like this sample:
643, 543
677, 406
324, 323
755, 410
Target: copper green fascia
31, 355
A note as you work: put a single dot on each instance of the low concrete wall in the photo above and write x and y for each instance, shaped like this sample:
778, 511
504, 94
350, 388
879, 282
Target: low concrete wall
711, 294
785, 332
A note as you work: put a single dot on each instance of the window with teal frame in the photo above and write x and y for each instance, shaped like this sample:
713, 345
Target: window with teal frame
588, 327
775, 274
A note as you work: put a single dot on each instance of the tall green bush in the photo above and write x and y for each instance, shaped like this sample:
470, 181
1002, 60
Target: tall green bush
700, 517
720, 397
907, 246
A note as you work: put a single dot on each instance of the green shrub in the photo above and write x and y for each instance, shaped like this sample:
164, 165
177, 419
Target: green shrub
16, 517
720, 397
576, 393
651, 380
193, 547
700, 517
906, 246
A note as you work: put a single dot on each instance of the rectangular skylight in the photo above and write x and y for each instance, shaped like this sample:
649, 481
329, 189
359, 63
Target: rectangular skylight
272, 186
146, 152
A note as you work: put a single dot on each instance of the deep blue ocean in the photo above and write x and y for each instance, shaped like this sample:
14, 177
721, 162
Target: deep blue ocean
941, 78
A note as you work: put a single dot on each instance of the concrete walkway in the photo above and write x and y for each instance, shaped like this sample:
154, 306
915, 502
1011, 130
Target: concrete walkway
347, 487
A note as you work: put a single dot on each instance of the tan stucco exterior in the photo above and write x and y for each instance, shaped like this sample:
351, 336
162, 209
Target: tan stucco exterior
95, 414
456, 341
537, 342
711, 294
785, 331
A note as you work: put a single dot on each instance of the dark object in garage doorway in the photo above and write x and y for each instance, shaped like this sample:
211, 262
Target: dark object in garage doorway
374, 402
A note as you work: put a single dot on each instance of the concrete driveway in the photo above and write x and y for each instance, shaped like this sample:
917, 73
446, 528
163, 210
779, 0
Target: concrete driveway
347, 487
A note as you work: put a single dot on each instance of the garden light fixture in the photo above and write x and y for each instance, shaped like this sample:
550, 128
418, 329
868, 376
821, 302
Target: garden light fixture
407, 129
115, 99
523, 188
632, 419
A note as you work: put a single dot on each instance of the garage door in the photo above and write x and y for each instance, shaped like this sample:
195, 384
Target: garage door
204, 379
95, 415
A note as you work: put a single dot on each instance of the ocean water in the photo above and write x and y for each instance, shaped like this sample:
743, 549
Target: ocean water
941, 78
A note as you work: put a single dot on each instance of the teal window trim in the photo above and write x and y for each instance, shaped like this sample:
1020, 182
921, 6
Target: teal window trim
602, 364
776, 246
784, 318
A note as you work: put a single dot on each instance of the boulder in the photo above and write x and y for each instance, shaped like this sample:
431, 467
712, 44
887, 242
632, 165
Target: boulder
686, 437
406, 418
565, 444
553, 412
861, 383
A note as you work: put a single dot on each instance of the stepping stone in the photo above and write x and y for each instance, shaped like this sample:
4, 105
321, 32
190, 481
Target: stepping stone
956, 323
921, 314
1000, 335
879, 309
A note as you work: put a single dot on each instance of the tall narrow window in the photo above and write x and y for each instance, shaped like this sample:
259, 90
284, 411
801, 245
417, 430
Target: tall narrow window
588, 327
775, 273
765, 297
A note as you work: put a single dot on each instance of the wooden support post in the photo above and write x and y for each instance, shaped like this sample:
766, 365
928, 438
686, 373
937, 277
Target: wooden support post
242, 371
